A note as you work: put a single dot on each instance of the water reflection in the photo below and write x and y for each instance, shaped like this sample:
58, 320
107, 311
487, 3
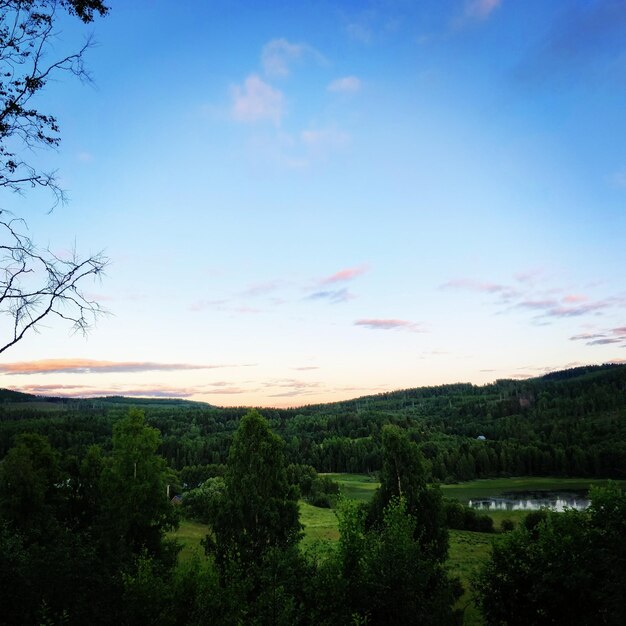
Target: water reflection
532, 501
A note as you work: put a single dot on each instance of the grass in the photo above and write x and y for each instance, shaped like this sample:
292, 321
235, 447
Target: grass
356, 486
468, 550
189, 535
319, 524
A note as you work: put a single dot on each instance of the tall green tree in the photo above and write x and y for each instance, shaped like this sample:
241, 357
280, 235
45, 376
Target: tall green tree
403, 476
137, 510
259, 509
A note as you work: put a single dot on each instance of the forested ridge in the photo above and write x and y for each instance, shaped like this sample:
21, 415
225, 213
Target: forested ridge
86, 508
567, 423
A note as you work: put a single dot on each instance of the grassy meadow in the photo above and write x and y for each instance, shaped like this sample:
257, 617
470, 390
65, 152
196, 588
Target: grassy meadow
467, 549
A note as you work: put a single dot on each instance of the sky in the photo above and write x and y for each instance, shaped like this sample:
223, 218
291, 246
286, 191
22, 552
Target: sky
307, 202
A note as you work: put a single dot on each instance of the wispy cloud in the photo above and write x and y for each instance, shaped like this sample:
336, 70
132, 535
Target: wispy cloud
83, 391
261, 289
347, 274
203, 305
389, 324
256, 101
469, 284
345, 84
481, 9
332, 295
604, 337
546, 303
553, 308
88, 366
278, 55
290, 387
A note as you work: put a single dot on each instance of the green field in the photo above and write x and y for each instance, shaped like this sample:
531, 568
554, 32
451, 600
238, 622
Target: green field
189, 535
355, 486
319, 524
467, 549
488, 487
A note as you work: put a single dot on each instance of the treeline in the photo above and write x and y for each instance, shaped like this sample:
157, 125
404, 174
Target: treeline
564, 424
83, 541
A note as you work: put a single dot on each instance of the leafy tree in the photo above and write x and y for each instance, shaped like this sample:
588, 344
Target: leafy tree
403, 476
561, 568
381, 575
30, 482
137, 511
259, 510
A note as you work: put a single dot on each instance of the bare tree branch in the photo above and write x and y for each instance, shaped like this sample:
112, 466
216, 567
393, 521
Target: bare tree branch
36, 283
27, 62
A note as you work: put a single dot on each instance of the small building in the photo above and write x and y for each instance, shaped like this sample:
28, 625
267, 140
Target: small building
481, 438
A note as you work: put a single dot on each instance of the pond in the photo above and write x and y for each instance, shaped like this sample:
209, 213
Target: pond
532, 501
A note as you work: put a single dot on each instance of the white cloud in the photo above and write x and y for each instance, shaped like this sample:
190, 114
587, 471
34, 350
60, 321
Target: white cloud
278, 54
481, 9
256, 101
346, 84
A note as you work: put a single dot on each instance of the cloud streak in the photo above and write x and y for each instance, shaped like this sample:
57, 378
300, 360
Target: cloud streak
347, 274
543, 302
389, 324
605, 337
332, 295
89, 366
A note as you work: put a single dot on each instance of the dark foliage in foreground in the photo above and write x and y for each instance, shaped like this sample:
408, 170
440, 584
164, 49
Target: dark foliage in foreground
560, 568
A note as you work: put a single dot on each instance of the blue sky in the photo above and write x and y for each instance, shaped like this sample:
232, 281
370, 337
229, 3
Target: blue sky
306, 202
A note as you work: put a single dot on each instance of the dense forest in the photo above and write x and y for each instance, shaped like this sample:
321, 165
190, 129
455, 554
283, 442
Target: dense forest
568, 423
86, 505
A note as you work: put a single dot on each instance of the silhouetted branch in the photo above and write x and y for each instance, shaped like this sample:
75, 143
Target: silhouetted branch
26, 46
35, 284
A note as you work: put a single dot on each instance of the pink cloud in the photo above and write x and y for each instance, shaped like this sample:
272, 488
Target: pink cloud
388, 324
82, 391
89, 366
575, 298
350, 273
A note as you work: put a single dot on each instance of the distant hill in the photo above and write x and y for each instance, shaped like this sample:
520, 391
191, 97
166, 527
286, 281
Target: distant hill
566, 423
587, 373
9, 397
